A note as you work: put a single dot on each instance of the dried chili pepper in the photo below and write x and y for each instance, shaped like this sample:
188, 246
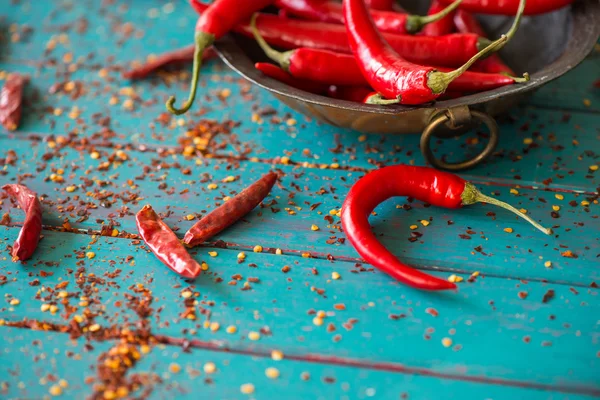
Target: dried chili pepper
397, 80
231, 211
179, 56
443, 26
465, 22
385, 21
357, 94
218, 19
449, 50
11, 101
328, 67
437, 188
275, 72
29, 236
164, 243
510, 7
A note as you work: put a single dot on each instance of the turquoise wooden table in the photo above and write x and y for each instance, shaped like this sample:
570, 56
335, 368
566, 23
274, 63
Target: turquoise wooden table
94, 314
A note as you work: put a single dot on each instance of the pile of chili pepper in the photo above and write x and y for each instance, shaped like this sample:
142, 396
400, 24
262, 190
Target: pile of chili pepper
163, 242
429, 185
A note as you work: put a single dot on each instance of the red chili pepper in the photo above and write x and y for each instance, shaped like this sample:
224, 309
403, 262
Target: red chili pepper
179, 56
219, 18
273, 71
385, 21
510, 7
29, 236
449, 51
164, 243
441, 27
467, 23
392, 76
332, 68
435, 187
358, 94
382, 5
11, 99
231, 211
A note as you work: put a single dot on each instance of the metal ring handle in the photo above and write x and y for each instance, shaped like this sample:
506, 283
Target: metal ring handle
442, 119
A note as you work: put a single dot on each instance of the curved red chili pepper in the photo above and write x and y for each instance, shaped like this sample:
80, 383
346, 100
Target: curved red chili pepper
164, 243
231, 211
466, 23
332, 68
510, 7
179, 56
29, 236
358, 94
218, 19
275, 72
382, 5
392, 76
441, 27
449, 51
385, 21
11, 99
429, 185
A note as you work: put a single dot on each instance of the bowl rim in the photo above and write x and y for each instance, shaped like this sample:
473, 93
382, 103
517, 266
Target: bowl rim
585, 31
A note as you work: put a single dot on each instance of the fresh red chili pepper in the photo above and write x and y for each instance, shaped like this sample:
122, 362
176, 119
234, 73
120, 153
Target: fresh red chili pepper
11, 101
510, 7
441, 27
219, 18
275, 72
385, 21
328, 67
179, 56
397, 80
357, 94
465, 22
449, 51
382, 5
435, 187
29, 236
164, 243
231, 211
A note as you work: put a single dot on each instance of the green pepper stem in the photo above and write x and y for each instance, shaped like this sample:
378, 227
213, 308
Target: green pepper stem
415, 23
518, 79
281, 58
471, 196
202, 40
378, 99
438, 81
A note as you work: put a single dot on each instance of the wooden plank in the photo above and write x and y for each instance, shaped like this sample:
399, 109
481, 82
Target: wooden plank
552, 343
35, 365
303, 380
167, 185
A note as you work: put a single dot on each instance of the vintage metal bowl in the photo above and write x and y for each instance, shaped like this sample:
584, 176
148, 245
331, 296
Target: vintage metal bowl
546, 46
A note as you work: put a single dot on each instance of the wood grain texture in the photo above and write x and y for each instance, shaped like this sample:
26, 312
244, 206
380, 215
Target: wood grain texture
96, 148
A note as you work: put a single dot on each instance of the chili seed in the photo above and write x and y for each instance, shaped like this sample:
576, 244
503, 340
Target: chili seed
210, 368
514, 191
272, 373
190, 217
214, 326
90, 254
257, 249
318, 321
585, 203
548, 264
446, 342
174, 368
241, 255
94, 328
253, 335
556, 208
414, 227
45, 307
335, 275
247, 388
186, 294
55, 390
277, 355
508, 230
278, 252
231, 329
593, 167
212, 253
212, 186
559, 196
14, 302
314, 228
455, 278
424, 222
204, 266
